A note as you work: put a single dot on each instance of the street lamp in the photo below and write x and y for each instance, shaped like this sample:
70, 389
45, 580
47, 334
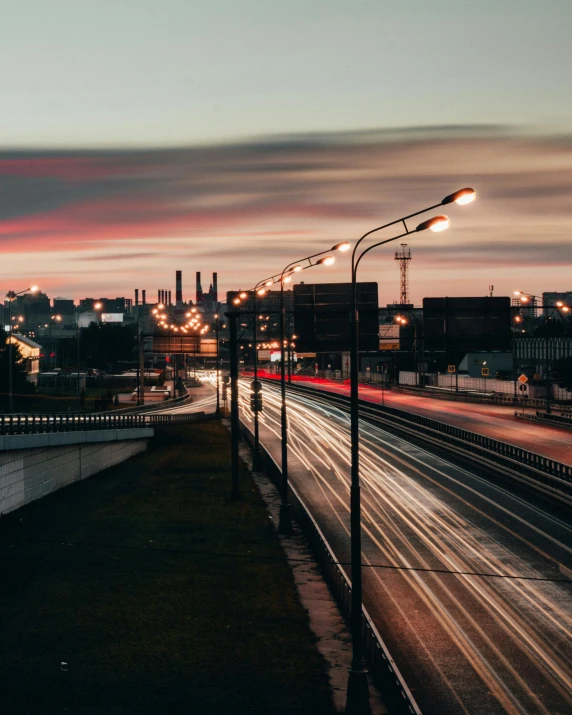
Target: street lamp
58, 319
285, 520
95, 306
153, 310
561, 307
358, 688
10, 296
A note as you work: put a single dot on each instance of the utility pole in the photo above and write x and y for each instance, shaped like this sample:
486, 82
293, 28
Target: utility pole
403, 257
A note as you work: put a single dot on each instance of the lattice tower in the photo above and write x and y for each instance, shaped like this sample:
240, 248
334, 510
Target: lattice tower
403, 257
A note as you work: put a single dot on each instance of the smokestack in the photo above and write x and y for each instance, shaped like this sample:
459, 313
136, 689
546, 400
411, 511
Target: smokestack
169, 297
162, 297
179, 287
215, 288
136, 296
199, 289
158, 296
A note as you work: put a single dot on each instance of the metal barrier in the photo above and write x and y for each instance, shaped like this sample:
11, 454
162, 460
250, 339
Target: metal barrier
384, 672
563, 420
40, 424
546, 475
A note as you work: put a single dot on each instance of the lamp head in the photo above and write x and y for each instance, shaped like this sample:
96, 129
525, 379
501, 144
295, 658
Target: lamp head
286, 279
435, 224
461, 197
243, 295
326, 261
34, 289
296, 269
341, 247
236, 301
97, 306
261, 291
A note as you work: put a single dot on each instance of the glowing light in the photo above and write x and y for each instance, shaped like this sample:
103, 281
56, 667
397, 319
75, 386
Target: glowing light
326, 261
242, 295
461, 197
435, 224
341, 247
286, 279
269, 283
34, 289
236, 301
97, 306
261, 291
296, 269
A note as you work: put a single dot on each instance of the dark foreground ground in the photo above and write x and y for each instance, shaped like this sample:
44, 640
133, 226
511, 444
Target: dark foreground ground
146, 590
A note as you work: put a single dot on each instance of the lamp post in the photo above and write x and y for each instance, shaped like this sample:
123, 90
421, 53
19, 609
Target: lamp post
95, 306
216, 317
10, 297
560, 306
140, 354
285, 276
358, 688
58, 319
285, 520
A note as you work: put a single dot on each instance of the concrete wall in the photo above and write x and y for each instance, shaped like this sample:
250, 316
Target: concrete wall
32, 466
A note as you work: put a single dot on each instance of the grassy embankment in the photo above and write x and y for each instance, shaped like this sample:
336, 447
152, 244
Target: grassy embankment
160, 593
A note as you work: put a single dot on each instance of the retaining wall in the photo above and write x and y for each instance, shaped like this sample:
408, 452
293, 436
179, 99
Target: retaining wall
32, 466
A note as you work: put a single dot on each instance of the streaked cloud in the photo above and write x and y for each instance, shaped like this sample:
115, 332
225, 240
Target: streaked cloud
247, 209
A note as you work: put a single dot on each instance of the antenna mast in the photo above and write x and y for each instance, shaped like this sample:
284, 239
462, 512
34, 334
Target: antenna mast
403, 257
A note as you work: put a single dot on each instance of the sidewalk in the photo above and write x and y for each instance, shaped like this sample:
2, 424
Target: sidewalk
145, 590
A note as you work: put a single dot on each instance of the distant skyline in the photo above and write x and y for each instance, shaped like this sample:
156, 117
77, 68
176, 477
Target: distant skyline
138, 138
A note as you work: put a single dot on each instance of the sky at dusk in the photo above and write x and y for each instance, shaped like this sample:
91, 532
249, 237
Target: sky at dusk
138, 138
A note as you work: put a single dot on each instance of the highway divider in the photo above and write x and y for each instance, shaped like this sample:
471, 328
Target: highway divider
543, 475
383, 669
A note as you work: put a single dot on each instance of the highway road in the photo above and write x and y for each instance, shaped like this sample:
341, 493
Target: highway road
496, 421
469, 585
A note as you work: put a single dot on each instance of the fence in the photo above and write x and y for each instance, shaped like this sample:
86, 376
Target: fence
546, 475
384, 671
38, 424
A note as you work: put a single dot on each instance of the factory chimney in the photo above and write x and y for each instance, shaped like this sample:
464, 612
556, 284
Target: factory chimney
136, 296
215, 288
179, 288
199, 289
143, 299
169, 297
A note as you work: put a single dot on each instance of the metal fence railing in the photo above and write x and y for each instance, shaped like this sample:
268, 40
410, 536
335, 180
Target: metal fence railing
545, 474
383, 669
41, 424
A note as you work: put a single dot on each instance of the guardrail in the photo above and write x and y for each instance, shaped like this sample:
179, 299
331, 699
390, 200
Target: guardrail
383, 669
543, 474
38, 424
563, 420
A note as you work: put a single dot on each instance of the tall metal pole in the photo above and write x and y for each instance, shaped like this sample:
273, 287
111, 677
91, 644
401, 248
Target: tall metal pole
256, 454
10, 399
285, 520
358, 687
546, 351
217, 368
233, 318
77, 345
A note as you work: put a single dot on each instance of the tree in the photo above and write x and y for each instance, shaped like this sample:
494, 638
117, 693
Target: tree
20, 384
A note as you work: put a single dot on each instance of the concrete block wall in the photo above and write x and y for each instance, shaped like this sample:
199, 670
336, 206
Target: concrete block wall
32, 472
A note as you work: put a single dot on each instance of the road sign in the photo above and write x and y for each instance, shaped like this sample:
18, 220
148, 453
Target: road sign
523, 388
522, 379
451, 368
485, 371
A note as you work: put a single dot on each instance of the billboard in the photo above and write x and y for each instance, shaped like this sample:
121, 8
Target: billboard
112, 317
467, 324
322, 317
188, 344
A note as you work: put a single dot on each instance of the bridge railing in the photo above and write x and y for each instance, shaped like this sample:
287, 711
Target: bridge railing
545, 474
41, 424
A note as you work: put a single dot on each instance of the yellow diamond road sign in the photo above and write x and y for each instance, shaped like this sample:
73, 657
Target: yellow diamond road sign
522, 379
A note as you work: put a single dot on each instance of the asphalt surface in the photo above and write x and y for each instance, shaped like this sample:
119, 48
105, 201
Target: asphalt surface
495, 421
469, 585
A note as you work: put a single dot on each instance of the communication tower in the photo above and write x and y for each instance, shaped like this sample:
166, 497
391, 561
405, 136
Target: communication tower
403, 257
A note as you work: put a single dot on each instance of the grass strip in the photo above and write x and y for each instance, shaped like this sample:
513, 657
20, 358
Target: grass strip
145, 631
